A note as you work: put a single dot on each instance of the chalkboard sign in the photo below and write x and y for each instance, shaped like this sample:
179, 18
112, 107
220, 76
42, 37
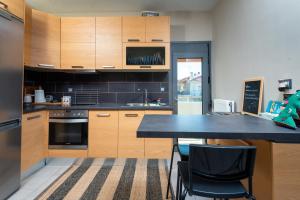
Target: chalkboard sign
252, 97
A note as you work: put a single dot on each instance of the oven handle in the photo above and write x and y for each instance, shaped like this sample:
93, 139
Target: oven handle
68, 121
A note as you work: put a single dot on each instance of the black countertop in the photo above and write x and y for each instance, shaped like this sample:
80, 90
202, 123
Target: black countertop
215, 127
104, 106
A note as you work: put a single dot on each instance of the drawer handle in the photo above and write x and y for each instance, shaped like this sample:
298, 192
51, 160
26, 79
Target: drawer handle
157, 40
131, 115
145, 67
108, 67
3, 5
133, 40
45, 65
103, 115
77, 67
33, 117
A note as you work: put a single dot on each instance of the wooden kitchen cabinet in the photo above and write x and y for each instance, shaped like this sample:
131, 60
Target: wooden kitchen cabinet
155, 147
78, 42
158, 29
15, 7
108, 43
27, 35
103, 134
146, 50
134, 29
34, 138
45, 40
129, 145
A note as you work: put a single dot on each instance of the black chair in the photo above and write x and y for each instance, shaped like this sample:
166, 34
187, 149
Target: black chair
216, 172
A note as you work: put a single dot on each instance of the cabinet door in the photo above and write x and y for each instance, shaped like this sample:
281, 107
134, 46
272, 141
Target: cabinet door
78, 29
34, 138
77, 56
158, 29
109, 43
103, 134
27, 35
16, 7
129, 145
155, 147
78, 43
134, 29
45, 40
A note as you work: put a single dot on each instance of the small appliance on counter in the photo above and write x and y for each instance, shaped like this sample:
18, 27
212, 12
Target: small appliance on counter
221, 105
66, 101
39, 96
28, 98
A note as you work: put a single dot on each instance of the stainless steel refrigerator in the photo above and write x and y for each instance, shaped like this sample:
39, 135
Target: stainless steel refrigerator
11, 75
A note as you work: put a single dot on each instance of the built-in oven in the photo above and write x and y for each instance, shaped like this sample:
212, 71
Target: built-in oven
68, 129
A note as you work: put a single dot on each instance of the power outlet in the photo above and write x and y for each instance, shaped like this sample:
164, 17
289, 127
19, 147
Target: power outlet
70, 89
162, 89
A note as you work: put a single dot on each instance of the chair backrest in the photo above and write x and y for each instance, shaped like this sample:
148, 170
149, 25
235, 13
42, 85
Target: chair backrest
221, 163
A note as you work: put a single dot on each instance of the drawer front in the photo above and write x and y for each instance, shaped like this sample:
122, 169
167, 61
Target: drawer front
103, 133
129, 145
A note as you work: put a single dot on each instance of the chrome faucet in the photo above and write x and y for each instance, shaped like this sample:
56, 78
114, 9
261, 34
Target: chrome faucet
146, 97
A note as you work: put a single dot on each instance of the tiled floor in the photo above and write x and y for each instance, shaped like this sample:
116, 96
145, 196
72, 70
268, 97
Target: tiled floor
32, 186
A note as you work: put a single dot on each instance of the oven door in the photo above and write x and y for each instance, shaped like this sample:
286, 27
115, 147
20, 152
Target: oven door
68, 133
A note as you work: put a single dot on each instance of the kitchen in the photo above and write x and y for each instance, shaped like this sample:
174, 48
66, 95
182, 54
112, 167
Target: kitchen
96, 96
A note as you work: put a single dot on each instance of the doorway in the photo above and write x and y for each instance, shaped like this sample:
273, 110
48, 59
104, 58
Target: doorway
191, 93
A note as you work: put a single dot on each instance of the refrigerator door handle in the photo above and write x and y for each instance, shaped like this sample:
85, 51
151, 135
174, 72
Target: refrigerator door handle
11, 123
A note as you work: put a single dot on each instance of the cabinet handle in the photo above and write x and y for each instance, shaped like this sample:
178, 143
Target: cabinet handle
77, 67
33, 117
45, 65
103, 115
157, 40
108, 67
145, 67
133, 40
131, 115
3, 5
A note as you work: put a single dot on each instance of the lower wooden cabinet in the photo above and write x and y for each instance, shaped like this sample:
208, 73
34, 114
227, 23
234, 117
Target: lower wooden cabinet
103, 134
34, 138
129, 145
67, 153
155, 147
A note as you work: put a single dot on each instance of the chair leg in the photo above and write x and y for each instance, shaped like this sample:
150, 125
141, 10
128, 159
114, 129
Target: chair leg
170, 171
180, 188
177, 188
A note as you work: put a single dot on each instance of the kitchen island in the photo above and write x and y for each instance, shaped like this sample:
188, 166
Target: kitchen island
277, 170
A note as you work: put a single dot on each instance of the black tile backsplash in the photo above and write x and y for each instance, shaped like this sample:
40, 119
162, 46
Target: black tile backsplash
108, 87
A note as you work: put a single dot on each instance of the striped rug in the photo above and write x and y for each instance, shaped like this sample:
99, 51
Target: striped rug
111, 179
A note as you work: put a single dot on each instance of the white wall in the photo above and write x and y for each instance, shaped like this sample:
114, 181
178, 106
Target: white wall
254, 38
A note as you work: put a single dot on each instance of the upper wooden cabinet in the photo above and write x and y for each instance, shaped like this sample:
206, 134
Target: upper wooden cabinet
78, 29
78, 42
27, 35
146, 29
15, 7
158, 29
134, 28
45, 40
108, 43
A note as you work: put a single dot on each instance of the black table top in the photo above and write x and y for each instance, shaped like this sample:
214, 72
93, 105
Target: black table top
215, 127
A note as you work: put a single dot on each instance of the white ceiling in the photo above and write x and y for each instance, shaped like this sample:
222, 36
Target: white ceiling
81, 6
